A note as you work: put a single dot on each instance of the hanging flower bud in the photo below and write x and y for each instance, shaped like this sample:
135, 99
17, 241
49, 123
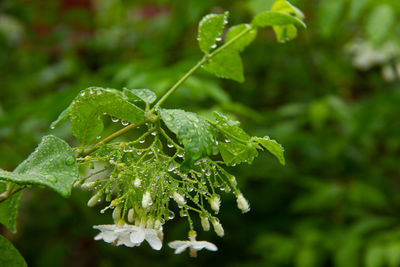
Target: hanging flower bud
131, 213
150, 222
137, 182
116, 213
215, 203
88, 185
242, 203
94, 199
218, 227
205, 223
232, 180
179, 198
146, 200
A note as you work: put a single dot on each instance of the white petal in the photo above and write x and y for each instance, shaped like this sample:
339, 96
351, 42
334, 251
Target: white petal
105, 227
137, 237
177, 243
126, 241
152, 239
99, 236
198, 245
181, 249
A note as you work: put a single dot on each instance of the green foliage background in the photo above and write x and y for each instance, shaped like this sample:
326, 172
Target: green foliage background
335, 203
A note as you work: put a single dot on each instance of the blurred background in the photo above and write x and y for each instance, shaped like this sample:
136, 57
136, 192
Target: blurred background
331, 97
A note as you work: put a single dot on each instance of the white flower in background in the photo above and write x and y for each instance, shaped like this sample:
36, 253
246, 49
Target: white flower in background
242, 203
192, 244
137, 182
128, 235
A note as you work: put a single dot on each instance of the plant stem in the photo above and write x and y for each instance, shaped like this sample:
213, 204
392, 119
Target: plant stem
179, 83
111, 137
198, 65
7, 194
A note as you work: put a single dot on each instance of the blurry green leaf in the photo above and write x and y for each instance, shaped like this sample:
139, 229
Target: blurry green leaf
275, 18
285, 6
210, 30
393, 254
272, 146
348, 251
91, 104
196, 134
237, 146
375, 257
9, 255
9, 209
145, 95
306, 257
243, 41
226, 64
380, 23
328, 15
52, 164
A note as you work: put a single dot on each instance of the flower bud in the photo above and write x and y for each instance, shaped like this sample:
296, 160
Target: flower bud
179, 199
88, 185
150, 222
130, 215
192, 235
157, 225
205, 223
116, 213
242, 203
94, 200
215, 203
218, 227
137, 182
232, 180
120, 166
146, 200
122, 145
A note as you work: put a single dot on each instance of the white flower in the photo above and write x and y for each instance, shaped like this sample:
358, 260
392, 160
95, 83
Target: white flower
192, 244
137, 183
215, 203
128, 235
242, 203
179, 199
146, 200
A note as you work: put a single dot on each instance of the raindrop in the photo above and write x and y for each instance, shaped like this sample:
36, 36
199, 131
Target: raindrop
180, 155
124, 123
113, 119
142, 141
218, 39
153, 133
98, 137
139, 153
227, 141
171, 215
70, 160
52, 127
51, 178
214, 46
170, 145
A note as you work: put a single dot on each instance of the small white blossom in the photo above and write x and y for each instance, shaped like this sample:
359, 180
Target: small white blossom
179, 199
242, 203
137, 182
215, 203
192, 244
205, 223
128, 235
219, 230
146, 200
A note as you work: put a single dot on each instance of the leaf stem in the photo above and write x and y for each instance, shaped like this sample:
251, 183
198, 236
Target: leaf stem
111, 137
7, 194
198, 65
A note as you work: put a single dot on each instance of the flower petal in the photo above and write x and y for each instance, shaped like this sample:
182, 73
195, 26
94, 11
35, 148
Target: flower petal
198, 245
137, 236
177, 243
153, 239
181, 249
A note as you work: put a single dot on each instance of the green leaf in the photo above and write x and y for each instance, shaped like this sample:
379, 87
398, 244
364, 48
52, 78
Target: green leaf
92, 103
145, 95
9, 209
210, 30
194, 133
242, 42
236, 146
285, 6
62, 117
272, 146
285, 33
380, 23
275, 18
375, 256
52, 164
9, 255
226, 64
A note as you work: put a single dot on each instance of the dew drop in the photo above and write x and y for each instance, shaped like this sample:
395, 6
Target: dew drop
70, 160
153, 133
170, 145
98, 137
51, 178
113, 119
142, 141
52, 127
124, 123
214, 46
